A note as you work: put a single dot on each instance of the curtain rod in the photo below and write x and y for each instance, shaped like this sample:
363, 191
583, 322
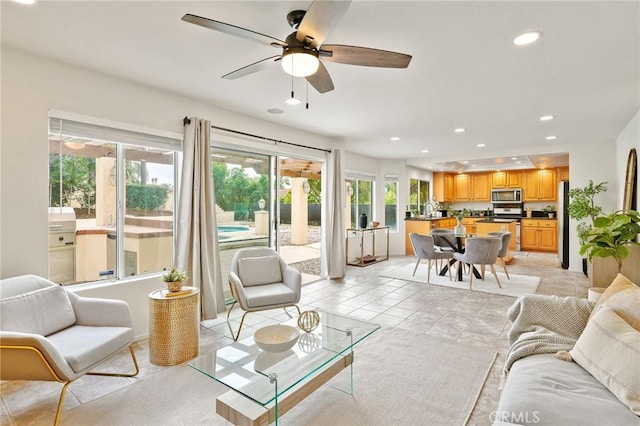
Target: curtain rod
186, 121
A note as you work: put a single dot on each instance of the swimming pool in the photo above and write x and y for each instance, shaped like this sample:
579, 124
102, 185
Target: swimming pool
232, 228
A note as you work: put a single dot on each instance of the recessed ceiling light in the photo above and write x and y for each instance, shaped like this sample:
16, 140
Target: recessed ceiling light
514, 158
527, 38
465, 162
481, 145
550, 138
25, 1
473, 165
394, 138
275, 111
425, 151
518, 162
547, 117
460, 130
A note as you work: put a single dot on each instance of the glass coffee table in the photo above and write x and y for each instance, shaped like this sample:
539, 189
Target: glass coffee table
265, 385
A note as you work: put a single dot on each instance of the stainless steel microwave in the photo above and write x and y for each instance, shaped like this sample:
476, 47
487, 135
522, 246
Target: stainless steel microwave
507, 195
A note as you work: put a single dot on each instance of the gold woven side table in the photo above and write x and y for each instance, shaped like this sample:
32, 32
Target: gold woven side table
174, 326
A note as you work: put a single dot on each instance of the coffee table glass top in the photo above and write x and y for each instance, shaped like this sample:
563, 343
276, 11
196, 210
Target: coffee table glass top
244, 367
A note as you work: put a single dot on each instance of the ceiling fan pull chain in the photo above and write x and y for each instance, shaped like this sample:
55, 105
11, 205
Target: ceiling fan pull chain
307, 94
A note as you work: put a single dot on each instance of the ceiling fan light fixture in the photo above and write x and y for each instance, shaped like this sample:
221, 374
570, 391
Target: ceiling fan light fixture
293, 101
300, 62
74, 143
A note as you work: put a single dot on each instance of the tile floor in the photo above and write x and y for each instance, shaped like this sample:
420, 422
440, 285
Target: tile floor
468, 317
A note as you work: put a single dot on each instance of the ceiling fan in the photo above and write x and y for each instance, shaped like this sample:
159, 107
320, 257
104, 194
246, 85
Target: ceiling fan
303, 48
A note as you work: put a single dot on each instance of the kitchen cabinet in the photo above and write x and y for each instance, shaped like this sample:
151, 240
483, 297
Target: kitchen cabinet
470, 224
462, 187
481, 187
424, 227
539, 185
562, 173
510, 179
443, 187
484, 226
539, 235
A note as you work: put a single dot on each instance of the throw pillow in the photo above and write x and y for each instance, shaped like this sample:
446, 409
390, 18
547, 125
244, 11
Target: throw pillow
622, 296
259, 270
609, 349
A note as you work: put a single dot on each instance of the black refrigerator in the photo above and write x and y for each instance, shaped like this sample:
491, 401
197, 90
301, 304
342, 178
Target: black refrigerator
563, 223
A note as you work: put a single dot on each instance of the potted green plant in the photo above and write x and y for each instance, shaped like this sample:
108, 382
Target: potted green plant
582, 206
550, 210
174, 279
611, 235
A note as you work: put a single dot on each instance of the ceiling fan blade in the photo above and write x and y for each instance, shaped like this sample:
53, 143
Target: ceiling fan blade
320, 19
233, 30
364, 56
250, 69
321, 80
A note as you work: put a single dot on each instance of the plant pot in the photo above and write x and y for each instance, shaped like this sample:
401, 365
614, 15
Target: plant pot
174, 286
551, 215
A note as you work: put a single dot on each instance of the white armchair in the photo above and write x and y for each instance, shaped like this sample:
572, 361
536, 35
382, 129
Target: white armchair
48, 333
260, 280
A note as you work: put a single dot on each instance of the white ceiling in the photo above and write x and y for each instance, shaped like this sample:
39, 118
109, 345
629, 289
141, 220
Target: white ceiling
465, 70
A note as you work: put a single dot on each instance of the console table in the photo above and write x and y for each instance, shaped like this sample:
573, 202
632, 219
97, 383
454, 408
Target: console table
369, 259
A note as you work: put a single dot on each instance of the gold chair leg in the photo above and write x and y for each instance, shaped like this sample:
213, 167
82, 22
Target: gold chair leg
235, 338
295, 306
60, 402
135, 364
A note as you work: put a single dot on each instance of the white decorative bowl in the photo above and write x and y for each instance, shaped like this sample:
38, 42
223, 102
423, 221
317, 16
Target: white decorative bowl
276, 338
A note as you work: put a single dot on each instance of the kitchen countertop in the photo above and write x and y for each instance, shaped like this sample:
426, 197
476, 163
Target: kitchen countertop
495, 220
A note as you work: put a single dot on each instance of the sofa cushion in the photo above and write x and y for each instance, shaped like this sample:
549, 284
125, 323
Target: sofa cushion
84, 346
269, 294
544, 390
43, 311
609, 349
622, 296
259, 270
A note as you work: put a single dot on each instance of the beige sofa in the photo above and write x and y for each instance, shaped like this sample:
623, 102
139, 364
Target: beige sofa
573, 362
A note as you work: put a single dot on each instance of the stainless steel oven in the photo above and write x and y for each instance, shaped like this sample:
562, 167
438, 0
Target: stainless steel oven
501, 196
510, 211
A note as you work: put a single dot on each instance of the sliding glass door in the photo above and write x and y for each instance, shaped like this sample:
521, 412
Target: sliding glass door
299, 207
264, 200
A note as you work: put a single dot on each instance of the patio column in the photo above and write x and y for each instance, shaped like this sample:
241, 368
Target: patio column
105, 191
299, 212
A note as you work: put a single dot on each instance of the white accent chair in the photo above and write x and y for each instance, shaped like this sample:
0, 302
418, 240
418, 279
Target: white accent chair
504, 249
479, 251
423, 247
50, 334
260, 280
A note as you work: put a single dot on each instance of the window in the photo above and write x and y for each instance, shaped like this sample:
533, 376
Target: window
360, 192
418, 196
111, 198
391, 202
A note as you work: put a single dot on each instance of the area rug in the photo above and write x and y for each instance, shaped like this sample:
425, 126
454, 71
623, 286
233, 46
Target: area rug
400, 378
517, 286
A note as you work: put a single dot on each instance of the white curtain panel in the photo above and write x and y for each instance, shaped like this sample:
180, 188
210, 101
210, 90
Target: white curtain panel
333, 242
197, 250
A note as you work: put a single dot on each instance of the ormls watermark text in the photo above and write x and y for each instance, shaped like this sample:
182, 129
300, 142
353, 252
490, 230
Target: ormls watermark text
517, 417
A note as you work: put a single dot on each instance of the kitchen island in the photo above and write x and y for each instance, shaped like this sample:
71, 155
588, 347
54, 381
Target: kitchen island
484, 226
424, 226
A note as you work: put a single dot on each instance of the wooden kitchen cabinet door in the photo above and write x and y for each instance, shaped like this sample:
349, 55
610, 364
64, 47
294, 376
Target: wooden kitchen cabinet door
462, 187
480, 189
